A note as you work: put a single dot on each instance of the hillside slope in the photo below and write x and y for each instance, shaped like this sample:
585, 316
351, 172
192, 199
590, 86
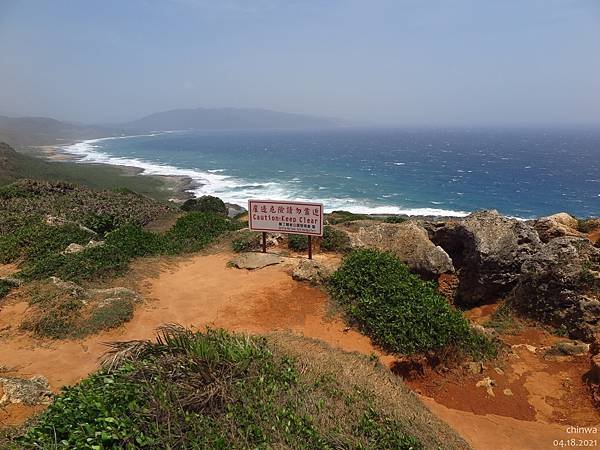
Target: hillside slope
15, 166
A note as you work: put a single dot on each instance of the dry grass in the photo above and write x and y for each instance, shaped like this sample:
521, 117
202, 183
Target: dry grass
354, 372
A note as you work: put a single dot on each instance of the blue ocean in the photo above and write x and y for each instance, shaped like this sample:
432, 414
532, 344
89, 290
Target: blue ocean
523, 173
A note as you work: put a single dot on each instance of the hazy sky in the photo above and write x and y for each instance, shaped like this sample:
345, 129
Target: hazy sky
407, 62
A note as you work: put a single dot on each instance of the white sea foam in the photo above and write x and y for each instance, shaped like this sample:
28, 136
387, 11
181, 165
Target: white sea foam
236, 190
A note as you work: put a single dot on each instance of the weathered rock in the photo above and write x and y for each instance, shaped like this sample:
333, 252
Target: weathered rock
594, 373
60, 221
569, 348
75, 289
488, 384
408, 241
487, 250
557, 225
28, 392
113, 292
560, 286
255, 260
312, 271
474, 367
12, 281
74, 248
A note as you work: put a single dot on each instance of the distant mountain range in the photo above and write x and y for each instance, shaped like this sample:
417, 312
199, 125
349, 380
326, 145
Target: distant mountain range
226, 118
31, 131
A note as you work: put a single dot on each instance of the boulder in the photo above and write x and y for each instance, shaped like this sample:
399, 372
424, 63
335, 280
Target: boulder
409, 241
30, 392
557, 225
563, 349
560, 286
73, 248
487, 251
312, 271
255, 260
73, 288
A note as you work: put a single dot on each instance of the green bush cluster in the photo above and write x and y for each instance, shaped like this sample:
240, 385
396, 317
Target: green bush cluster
190, 233
297, 242
37, 240
210, 390
395, 219
5, 288
334, 240
400, 311
207, 204
337, 217
245, 241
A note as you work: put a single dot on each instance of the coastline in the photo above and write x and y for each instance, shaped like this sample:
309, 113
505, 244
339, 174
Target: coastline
180, 186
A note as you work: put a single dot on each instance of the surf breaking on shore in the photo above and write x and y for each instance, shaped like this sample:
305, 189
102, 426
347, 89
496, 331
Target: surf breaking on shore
233, 189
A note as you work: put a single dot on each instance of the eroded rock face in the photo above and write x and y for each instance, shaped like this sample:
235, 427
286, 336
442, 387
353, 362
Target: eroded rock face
255, 260
557, 225
409, 241
313, 271
560, 286
34, 391
487, 251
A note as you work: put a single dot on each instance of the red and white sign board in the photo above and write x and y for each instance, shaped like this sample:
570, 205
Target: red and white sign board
286, 217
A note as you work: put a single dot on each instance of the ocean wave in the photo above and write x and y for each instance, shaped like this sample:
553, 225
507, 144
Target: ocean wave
235, 190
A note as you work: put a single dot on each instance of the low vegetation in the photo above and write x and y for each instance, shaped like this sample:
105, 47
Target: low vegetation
62, 312
245, 241
220, 391
335, 240
297, 242
207, 204
337, 217
400, 311
190, 233
27, 200
395, 219
16, 166
504, 320
5, 288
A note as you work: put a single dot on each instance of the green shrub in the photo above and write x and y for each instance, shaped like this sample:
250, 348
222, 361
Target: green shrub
297, 242
206, 204
101, 223
211, 390
5, 288
117, 312
335, 240
245, 241
337, 217
37, 240
401, 312
395, 219
190, 233
194, 231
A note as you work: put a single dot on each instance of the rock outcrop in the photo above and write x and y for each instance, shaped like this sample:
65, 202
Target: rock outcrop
557, 225
30, 392
560, 286
255, 260
487, 250
409, 241
313, 271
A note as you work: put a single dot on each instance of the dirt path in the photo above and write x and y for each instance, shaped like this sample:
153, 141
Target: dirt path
202, 291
